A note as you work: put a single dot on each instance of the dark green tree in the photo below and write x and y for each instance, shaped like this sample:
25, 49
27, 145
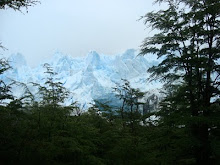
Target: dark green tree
49, 109
187, 40
52, 92
129, 96
5, 89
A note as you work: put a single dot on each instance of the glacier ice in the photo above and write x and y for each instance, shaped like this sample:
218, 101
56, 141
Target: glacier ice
90, 77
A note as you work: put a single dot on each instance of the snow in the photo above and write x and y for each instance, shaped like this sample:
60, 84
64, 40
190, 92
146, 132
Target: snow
89, 77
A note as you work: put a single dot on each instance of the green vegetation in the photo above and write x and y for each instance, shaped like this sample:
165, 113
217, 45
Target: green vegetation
188, 42
39, 129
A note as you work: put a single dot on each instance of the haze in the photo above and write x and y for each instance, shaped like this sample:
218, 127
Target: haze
74, 28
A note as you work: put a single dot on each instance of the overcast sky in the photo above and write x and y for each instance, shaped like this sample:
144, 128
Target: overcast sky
74, 27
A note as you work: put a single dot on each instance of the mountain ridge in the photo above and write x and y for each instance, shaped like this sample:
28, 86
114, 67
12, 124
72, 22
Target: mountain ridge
90, 77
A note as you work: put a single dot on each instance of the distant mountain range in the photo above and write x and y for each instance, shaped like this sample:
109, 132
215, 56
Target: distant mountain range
90, 77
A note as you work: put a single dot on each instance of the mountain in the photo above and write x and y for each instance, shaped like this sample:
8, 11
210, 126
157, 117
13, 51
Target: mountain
91, 77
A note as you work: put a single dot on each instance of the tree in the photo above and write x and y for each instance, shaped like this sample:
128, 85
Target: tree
49, 110
5, 89
53, 91
130, 104
17, 4
188, 42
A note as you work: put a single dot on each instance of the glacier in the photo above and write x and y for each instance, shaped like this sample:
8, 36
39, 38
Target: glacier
88, 78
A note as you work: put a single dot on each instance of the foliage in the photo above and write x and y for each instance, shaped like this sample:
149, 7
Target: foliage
17, 4
5, 89
47, 132
188, 43
53, 91
129, 110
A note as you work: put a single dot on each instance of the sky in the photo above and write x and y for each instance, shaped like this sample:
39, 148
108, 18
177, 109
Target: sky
74, 27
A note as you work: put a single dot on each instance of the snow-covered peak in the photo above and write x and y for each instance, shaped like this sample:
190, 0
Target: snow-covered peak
93, 59
91, 77
17, 60
57, 57
129, 54
58, 54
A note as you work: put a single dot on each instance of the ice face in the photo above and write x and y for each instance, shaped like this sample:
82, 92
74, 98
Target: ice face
93, 60
89, 77
17, 60
129, 54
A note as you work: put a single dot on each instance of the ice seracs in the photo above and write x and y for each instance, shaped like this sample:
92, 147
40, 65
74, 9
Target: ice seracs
90, 77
